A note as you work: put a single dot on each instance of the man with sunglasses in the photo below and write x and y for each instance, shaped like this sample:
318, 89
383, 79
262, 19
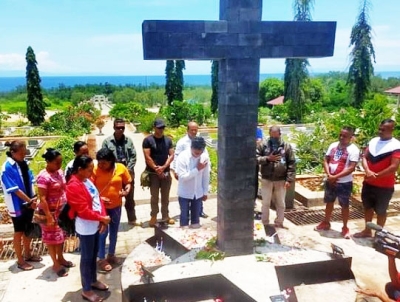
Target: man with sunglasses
125, 153
159, 154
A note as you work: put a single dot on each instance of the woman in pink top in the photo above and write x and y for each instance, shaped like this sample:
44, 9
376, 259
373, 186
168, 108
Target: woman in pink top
51, 188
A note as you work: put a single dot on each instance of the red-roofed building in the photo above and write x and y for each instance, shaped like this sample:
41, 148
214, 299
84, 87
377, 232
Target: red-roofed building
395, 91
276, 101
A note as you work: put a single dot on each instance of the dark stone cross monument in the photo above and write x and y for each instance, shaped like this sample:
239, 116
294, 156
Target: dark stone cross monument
238, 41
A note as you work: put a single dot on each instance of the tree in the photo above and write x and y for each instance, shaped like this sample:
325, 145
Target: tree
35, 106
296, 72
169, 81
214, 86
269, 89
361, 69
179, 82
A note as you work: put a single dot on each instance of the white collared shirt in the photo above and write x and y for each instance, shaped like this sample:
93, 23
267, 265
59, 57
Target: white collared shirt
192, 182
185, 143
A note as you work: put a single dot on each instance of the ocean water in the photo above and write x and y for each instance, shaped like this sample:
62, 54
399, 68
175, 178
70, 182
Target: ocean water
10, 83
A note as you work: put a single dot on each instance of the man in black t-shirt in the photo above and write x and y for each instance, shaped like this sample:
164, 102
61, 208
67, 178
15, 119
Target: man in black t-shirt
159, 154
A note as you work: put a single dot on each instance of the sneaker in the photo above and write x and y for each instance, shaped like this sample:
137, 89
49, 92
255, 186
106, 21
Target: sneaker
345, 233
153, 221
168, 220
135, 223
203, 215
323, 226
195, 226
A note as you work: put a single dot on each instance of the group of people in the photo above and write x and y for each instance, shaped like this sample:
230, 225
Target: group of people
94, 191
380, 161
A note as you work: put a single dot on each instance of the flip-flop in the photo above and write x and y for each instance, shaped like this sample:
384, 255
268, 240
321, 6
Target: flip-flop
103, 287
25, 266
362, 234
62, 272
34, 259
68, 264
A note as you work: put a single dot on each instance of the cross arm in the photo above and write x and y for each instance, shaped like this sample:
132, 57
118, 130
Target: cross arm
207, 40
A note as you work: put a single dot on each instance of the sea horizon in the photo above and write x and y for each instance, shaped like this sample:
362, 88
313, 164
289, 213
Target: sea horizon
8, 84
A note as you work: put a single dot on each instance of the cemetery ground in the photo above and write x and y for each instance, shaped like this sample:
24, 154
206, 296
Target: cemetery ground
368, 266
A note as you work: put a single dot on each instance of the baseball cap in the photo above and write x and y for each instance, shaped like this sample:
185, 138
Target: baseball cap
159, 123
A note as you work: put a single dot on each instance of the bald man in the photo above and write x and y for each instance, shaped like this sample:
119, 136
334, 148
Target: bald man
185, 144
380, 162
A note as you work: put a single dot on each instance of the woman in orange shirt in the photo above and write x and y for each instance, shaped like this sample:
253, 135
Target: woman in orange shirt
113, 181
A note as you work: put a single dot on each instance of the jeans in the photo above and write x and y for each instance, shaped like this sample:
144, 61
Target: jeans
277, 190
157, 185
192, 205
115, 215
201, 210
89, 248
130, 201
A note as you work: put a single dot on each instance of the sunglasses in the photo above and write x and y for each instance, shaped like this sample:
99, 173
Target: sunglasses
119, 128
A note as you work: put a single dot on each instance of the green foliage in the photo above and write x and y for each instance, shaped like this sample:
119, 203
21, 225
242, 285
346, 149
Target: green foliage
361, 55
35, 106
214, 86
65, 146
180, 113
210, 251
270, 88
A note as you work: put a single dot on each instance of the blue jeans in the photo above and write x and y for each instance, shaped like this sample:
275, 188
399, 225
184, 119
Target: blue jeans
89, 248
115, 215
192, 205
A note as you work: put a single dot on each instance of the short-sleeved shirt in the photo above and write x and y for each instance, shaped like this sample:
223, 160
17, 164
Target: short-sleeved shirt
159, 150
54, 184
259, 133
110, 183
340, 158
379, 154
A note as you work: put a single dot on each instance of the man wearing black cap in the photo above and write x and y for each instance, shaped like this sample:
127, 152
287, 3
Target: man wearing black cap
159, 154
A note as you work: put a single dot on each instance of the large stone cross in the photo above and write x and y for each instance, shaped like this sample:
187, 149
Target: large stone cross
238, 41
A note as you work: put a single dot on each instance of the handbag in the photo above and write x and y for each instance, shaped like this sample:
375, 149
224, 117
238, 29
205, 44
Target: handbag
33, 230
65, 222
145, 179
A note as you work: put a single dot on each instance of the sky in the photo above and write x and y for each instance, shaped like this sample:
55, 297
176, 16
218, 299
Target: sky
103, 37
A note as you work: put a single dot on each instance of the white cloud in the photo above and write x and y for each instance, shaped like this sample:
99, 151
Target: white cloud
12, 61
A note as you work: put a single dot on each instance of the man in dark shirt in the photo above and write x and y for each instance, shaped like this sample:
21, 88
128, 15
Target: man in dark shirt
159, 154
125, 153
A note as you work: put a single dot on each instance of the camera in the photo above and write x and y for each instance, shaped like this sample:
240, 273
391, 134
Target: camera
385, 242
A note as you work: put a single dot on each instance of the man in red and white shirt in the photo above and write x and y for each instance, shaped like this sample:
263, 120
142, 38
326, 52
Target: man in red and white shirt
340, 161
380, 161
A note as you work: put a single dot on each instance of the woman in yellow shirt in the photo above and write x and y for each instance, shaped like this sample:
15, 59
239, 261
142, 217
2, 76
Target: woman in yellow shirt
113, 181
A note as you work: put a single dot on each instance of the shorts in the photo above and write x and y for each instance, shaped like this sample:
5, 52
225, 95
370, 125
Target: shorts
23, 222
376, 198
341, 191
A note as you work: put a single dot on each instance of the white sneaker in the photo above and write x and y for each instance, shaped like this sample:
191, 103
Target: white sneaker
195, 226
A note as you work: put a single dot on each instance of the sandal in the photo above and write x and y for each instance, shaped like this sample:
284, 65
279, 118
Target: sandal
25, 266
99, 286
62, 272
68, 264
104, 265
112, 259
92, 298
34, 259
363, 234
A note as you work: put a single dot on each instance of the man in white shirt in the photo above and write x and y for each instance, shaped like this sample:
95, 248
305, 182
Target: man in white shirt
340, 161
193, 169
184, 144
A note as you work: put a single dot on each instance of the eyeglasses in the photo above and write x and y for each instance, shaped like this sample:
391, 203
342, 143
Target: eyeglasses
119, 128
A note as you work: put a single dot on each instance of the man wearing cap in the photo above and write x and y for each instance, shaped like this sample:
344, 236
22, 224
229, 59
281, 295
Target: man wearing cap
185, 144
159, 154
125, 153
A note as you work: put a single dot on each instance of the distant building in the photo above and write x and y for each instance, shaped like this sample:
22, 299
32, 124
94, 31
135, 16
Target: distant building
99, 98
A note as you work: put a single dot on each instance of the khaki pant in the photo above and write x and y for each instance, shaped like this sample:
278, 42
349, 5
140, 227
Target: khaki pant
275, 189
160, 185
